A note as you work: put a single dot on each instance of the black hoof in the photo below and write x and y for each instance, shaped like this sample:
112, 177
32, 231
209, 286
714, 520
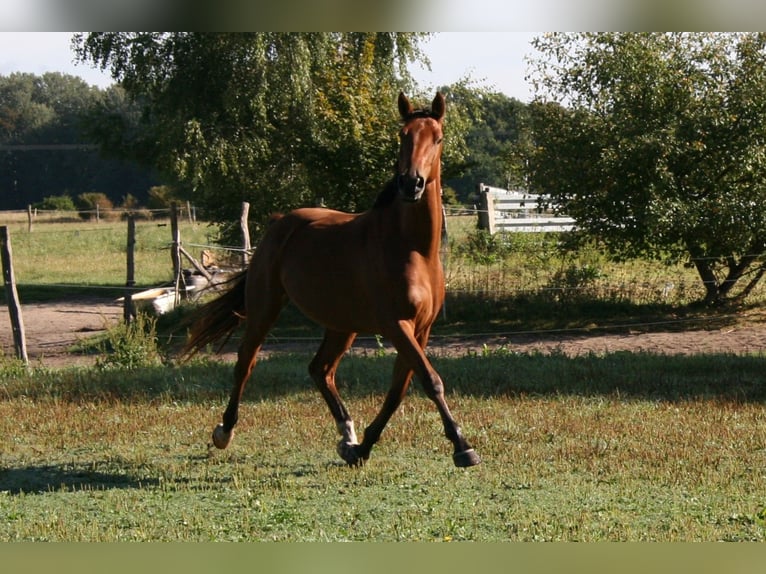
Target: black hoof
350, 454
466, 458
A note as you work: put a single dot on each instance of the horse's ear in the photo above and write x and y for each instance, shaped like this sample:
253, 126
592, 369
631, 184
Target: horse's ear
405, 107
438, 106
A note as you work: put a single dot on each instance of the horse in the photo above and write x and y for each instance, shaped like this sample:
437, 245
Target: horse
377, 271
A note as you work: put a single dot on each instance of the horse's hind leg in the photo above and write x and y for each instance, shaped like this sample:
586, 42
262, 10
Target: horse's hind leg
259, 321
322, 370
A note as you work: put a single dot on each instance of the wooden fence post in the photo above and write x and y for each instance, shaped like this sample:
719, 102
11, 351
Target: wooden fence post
486, 210
14, 308
128, 311
245, 233
176, 252
29, 218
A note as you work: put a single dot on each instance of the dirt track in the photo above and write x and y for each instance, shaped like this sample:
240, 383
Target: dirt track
52, 328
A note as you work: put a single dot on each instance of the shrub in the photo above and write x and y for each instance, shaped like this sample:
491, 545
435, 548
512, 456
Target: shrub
161, 196
130, 346
91, 201
130, 205
574, 282
11, 368
56, 203
484, 248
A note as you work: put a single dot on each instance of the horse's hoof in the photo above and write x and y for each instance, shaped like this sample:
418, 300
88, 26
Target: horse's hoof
221, 438
466, 458
349, 452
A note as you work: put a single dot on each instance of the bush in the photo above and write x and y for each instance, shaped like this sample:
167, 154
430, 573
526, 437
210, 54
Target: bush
56, 203
11, 368
130, 346
484, 248
130, 205
161, 196
91, 202
574, 282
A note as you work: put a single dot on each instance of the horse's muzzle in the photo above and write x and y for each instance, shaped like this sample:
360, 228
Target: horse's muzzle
411, 188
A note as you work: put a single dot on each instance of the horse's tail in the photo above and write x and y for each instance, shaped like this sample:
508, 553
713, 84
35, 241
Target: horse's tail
218, 318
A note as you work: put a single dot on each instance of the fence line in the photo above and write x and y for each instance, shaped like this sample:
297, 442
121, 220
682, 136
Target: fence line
33, 214
541, 288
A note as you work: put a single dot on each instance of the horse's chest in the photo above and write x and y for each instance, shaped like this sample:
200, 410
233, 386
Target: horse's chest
422, 290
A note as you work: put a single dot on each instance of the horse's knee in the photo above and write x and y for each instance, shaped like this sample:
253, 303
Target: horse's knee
433, 386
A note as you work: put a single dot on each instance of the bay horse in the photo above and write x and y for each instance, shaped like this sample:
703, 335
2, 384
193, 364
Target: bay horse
374, 272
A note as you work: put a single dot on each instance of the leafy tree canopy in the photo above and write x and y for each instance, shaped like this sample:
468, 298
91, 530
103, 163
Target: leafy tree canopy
275, 119
656, 144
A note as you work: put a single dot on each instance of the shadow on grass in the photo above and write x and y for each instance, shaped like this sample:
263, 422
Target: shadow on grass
629, 375
53, 478
476, 313
499, 373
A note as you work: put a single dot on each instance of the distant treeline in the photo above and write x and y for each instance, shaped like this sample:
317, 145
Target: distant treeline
46, 146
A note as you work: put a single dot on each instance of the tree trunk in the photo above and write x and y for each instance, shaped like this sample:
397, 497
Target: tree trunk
709, 281
717, 292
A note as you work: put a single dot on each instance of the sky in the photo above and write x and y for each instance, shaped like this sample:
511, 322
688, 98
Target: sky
490, 59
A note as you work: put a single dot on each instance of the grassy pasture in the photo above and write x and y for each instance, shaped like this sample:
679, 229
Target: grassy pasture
626, 446
619, 447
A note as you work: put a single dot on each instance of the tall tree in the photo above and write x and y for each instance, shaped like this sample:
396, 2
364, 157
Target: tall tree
496, 128
276, 119
44, 148
660, 149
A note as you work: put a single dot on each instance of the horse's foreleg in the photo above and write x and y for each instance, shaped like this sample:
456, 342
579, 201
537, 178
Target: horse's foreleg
400, 382
322, 370
463, 455
411, 351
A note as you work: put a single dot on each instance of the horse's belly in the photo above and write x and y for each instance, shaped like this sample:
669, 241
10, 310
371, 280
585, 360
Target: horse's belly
331, 296
339, 312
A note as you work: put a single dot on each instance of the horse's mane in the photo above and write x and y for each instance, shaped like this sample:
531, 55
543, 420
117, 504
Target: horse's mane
387, 196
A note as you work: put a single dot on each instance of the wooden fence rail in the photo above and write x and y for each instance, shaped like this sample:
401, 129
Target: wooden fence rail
503, 210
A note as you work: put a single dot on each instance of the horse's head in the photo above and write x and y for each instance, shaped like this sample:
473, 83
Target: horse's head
420, 147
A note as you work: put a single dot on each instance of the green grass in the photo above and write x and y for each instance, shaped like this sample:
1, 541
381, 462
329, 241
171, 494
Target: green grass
619, 447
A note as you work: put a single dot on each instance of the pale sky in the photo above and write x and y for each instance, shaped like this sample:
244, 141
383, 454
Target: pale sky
491, 59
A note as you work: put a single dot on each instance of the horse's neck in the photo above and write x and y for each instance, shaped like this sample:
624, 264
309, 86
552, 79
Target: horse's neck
423, 221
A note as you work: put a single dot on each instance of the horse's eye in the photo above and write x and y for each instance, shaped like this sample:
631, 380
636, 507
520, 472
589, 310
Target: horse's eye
438, 141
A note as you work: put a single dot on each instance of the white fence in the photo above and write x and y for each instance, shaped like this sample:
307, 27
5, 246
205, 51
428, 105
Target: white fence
515, 211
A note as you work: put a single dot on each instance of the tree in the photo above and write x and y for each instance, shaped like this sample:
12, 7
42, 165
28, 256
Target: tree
661, 148
496, 128
275, 119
